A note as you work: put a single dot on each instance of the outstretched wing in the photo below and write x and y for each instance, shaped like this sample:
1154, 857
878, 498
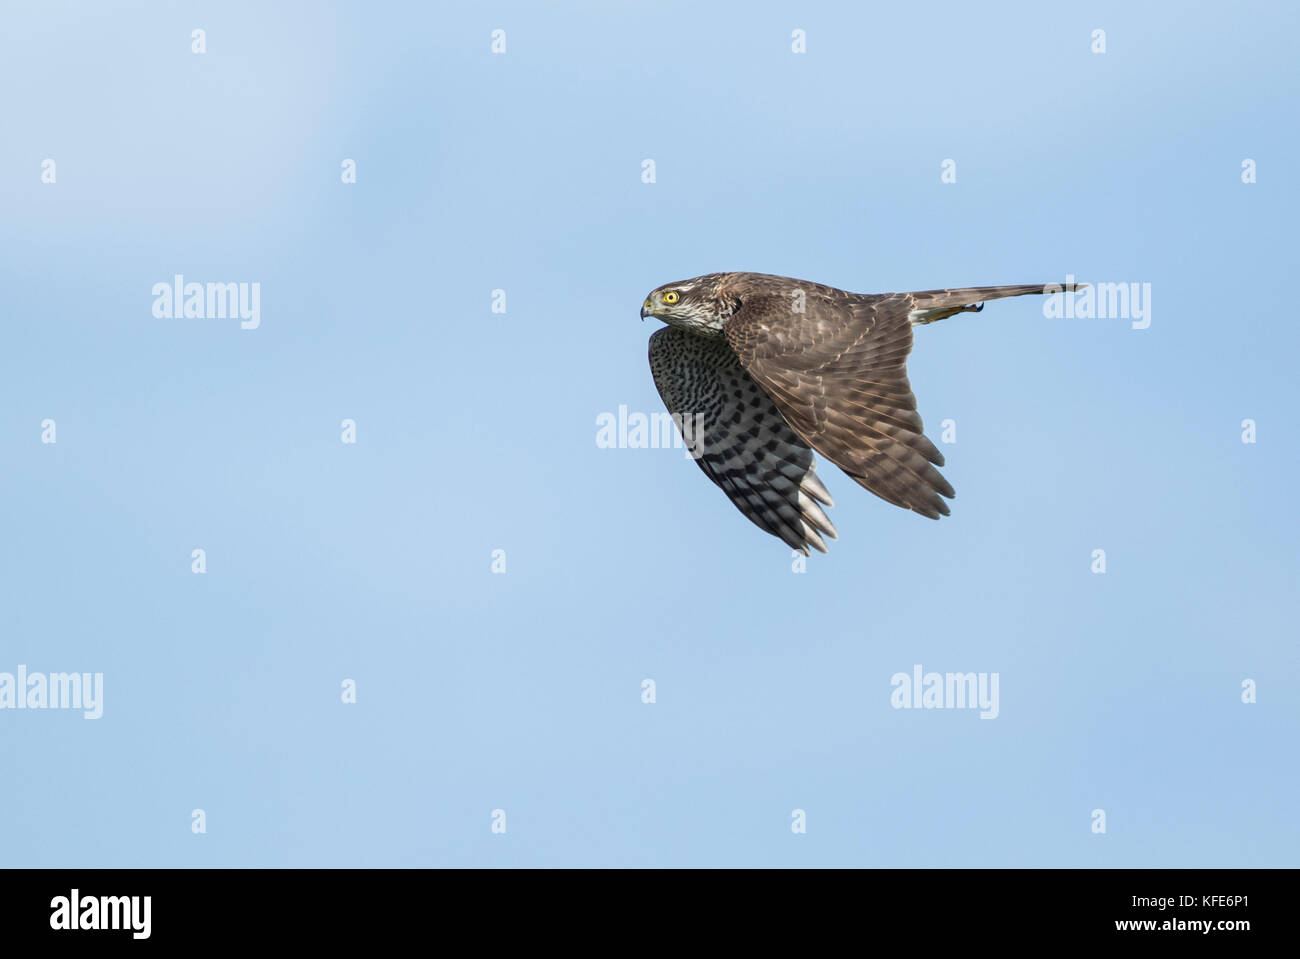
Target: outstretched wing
837, 371
738, 437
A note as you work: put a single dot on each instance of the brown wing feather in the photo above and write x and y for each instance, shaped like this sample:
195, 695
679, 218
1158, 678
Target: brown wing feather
837, 371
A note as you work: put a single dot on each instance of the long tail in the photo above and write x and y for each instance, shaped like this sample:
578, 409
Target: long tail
934, 305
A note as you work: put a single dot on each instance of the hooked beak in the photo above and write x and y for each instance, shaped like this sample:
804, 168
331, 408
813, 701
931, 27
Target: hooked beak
645, 309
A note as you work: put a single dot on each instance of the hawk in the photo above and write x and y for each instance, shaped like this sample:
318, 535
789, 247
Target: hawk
772, 370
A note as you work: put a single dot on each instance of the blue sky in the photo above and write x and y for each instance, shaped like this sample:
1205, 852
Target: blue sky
476, 432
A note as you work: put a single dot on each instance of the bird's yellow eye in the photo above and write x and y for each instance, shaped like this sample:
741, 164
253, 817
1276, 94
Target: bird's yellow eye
672, 297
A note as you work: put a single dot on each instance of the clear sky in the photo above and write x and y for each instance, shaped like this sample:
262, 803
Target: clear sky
476, 431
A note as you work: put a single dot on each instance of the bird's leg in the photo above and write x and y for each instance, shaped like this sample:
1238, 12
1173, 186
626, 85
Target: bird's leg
921, 317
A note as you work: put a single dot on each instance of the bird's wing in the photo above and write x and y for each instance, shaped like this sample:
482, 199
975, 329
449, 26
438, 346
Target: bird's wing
837, 371
739, 439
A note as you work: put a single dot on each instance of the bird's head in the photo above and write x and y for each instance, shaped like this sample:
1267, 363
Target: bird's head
696, 305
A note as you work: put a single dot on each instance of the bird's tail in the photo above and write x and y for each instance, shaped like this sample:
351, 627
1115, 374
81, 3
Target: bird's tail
934, 305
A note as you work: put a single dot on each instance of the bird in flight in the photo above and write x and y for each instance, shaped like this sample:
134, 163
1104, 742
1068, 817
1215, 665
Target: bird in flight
771, 370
